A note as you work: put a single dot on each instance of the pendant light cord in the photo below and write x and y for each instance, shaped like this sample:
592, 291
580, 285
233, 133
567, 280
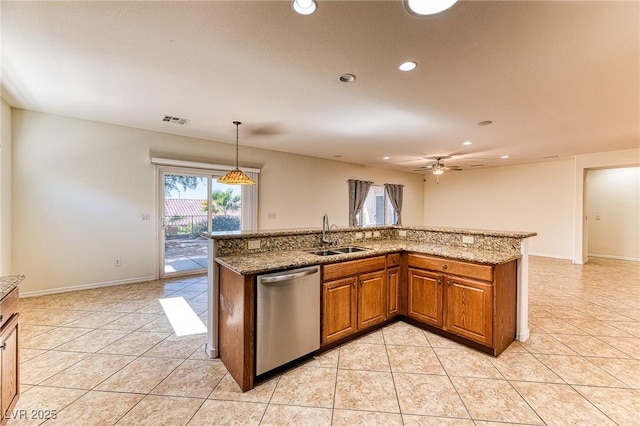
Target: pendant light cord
237, 123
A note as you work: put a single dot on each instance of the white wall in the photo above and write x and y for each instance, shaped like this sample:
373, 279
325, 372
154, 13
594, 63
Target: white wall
533, 197
613, 213
80, 189
5, 189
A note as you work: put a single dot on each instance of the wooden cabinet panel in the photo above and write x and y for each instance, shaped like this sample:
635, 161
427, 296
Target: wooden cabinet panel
466, 269
338, 309
425, 296
9, 364
469, 309
353, 267
393, 260
236, 326
393, 292
371, 299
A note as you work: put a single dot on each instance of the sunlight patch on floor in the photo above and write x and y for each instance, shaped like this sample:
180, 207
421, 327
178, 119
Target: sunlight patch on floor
183, 319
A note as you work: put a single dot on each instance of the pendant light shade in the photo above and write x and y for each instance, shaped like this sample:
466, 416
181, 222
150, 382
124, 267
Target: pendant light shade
236, 176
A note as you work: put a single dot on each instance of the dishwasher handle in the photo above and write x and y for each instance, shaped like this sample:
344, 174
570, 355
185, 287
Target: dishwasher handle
288, 277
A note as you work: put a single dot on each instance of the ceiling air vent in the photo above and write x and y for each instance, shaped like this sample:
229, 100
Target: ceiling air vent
175, 120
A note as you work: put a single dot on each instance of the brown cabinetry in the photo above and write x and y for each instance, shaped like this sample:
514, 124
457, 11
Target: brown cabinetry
9, 362
394, 286
353, 297
476, 302
425, 297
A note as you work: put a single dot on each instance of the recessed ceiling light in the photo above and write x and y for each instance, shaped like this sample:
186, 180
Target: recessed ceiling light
347, 78
467, 143
484, 123
428, 7
385, 158
504, 157
304, 7
408, 66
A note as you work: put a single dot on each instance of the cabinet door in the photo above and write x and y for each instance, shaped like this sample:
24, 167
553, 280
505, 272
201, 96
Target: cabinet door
9, 364
393, 292
425, 296
371, 292
469, 309
338, 309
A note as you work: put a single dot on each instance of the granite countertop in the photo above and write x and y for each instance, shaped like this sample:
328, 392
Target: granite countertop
8, 283
278, 260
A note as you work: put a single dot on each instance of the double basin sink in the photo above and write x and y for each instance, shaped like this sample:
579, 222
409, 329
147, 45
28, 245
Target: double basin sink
335, 251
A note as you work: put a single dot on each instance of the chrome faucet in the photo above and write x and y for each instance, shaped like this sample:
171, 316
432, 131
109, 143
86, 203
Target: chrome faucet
325, 230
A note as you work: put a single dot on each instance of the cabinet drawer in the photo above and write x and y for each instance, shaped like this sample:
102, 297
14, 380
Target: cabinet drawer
8, 306
393, 259
352, 267
465, 269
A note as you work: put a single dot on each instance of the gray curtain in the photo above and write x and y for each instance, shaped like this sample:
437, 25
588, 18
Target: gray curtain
395, 196
358, 190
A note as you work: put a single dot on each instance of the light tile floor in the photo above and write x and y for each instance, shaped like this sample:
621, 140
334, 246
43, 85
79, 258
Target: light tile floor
110, 356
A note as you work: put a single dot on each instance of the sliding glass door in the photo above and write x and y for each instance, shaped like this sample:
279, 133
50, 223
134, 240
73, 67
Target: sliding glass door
187, 210
184, 217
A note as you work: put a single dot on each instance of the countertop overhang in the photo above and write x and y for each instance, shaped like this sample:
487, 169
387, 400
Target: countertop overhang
8, 283
258, 263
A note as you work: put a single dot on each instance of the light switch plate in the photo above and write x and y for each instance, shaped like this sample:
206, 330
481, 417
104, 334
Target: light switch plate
467, 239
254, 244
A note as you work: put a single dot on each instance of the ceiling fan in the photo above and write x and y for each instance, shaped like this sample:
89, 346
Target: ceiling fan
438, 168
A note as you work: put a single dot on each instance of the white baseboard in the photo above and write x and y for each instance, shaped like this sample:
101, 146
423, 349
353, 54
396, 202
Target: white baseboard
85, 286
606, 256
553, 256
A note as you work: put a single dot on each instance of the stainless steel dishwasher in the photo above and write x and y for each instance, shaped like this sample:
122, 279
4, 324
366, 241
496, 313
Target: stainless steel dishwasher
287, 317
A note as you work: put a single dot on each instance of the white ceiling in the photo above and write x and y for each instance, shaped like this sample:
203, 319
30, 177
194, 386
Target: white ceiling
556, 78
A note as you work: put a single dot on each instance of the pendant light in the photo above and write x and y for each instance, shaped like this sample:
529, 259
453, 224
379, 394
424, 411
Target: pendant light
236, 176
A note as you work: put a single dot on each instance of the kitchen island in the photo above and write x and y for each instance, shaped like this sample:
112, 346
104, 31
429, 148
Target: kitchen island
469, 285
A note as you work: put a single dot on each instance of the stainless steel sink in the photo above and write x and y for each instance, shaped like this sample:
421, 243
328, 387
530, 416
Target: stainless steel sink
350, 249
324, 252
339, 250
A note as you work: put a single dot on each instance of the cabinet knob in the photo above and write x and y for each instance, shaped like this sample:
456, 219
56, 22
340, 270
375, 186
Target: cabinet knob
3, 346
1, 317
448, 282
444, 267
439, 280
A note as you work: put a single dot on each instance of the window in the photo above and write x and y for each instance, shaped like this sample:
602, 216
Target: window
377, 209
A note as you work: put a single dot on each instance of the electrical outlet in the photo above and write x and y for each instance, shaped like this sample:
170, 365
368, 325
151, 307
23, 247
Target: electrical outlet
376, 234
271, 215
402, 233
359, 235
467, 239
253, 244
367, 234
146, 217
117, 262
